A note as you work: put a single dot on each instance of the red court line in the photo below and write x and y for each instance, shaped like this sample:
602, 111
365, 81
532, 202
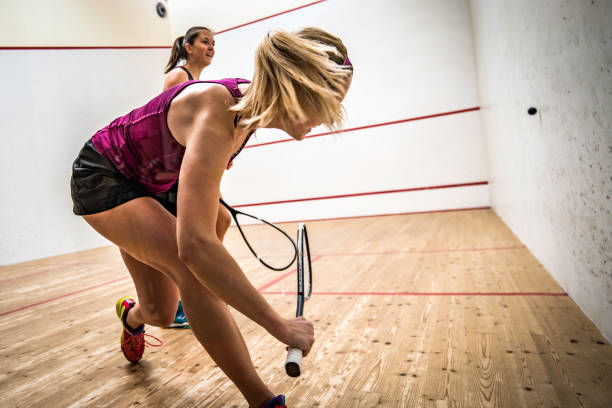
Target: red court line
102, 47
394, 122
425, 251
271, 16
283, 276
278, 279
51, 270
63, 296
403, 190
130, 47
423, 293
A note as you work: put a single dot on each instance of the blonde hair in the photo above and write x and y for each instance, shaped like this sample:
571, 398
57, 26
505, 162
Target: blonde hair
293, 71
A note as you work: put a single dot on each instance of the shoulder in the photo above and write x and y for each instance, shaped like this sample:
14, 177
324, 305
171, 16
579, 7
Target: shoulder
201, 106
206, 95
174, 77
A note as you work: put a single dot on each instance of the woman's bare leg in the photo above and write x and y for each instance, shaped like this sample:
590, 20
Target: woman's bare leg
147, 232
157, 294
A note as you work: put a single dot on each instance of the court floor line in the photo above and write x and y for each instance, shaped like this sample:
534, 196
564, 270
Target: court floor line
29, 275
554, 294
63, 296
425, 251
318, 255
315, 258
265, 286
283, 276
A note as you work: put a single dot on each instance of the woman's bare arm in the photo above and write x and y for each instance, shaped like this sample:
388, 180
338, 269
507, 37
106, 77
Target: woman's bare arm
208, 149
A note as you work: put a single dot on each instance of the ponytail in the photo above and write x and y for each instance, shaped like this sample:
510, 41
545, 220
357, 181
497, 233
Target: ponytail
178, 52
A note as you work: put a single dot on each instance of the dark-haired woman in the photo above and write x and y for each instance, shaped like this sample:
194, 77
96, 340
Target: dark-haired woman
197, 49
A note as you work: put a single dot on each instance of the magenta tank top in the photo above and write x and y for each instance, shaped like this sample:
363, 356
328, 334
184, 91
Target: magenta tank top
141, 146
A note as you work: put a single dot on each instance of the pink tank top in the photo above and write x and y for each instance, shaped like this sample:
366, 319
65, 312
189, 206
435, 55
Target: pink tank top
141, 146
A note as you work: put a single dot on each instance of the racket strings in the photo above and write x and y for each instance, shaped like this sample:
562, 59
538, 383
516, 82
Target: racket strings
267, 242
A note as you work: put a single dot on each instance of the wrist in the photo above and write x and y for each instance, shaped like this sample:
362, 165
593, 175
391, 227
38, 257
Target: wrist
278, 327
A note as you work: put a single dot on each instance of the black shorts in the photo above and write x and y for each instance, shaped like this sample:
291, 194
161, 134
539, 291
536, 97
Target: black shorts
96, 185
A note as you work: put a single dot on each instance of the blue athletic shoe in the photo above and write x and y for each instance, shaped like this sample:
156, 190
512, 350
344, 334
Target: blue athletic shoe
180, 320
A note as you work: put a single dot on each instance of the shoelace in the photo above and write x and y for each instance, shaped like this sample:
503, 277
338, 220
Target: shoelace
161, 343
135, 341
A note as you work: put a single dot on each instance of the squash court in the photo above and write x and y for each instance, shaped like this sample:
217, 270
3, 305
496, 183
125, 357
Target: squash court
422, 310
459, 222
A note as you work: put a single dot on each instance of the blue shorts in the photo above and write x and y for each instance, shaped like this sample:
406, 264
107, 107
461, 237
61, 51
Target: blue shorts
96, 185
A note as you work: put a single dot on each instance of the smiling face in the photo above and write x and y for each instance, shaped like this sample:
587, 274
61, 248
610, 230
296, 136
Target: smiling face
203, 48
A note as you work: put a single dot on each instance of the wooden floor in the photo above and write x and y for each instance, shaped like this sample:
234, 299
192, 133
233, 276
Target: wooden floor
424, 310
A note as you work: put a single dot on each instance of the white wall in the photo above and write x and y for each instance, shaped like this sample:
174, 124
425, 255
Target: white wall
54, 100
551, 174
81, 23
222, 15
411, 57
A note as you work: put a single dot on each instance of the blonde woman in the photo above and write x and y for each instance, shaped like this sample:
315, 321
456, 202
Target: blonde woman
197, 49
194, 130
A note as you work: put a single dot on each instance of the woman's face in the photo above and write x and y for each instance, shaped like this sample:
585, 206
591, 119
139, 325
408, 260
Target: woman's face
298, 129
203, 48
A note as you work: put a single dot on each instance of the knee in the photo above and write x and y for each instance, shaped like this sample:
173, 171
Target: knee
223, 222
156, 315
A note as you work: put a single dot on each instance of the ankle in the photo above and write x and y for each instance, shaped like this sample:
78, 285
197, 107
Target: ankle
131, 321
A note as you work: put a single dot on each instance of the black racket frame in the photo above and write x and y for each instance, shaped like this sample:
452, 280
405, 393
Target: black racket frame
234, 213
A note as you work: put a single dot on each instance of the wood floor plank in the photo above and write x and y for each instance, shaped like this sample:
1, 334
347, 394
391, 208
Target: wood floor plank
427, 310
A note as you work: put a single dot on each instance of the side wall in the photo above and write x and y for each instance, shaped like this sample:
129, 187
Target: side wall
550, 173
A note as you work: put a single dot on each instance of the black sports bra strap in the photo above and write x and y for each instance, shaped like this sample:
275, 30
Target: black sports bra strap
189, 76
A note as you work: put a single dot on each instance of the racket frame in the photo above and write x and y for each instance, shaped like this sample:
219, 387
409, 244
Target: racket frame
293, 363
234, 213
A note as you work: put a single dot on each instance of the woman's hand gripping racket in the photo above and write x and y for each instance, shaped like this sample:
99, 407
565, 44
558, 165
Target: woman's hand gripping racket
276, 250
293, 364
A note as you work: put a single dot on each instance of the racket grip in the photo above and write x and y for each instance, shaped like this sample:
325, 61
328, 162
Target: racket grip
293, 365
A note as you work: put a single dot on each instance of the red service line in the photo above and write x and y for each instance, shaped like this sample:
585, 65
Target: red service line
135, 47
283, 276
394, 122
63, 296
426, 251
102, 47
423, 293
403, 190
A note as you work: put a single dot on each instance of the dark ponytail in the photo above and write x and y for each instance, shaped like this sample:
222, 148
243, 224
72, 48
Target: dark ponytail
178, 52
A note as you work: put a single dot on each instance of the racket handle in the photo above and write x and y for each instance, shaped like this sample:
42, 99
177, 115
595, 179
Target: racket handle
293, 365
